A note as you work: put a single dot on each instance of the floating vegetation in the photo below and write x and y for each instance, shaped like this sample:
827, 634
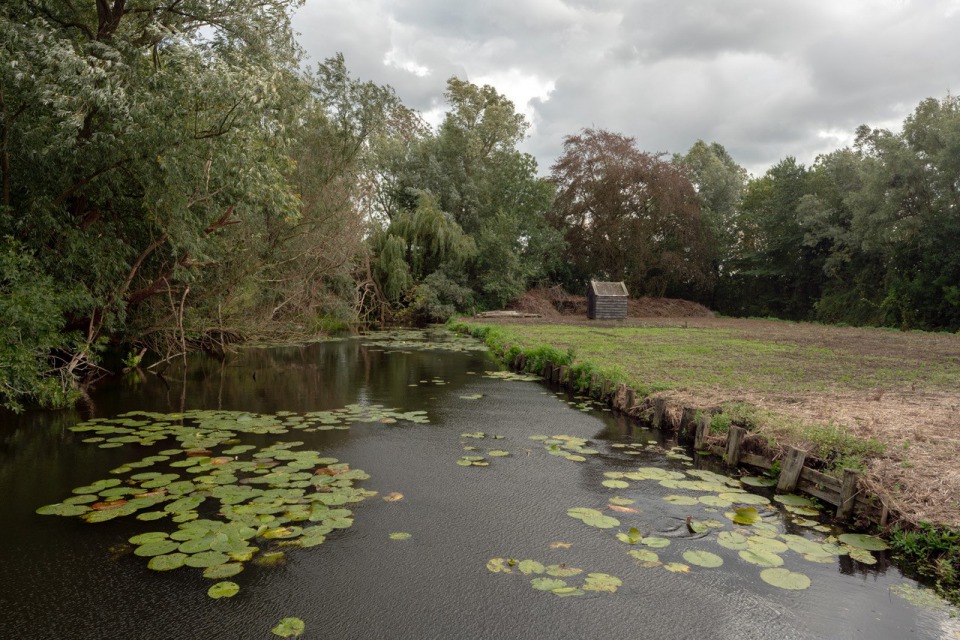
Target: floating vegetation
433, 340
229, 508
400, 535
593, 518
785, 579
569, 447
475, 396
289, 628
596, 582
473, 461
511, 376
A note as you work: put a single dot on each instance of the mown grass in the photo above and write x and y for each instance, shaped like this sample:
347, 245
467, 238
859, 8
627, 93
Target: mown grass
717, 361
656, 359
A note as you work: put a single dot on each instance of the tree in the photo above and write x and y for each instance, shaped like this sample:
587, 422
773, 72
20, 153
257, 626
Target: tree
628, 215
719, 182
142, 147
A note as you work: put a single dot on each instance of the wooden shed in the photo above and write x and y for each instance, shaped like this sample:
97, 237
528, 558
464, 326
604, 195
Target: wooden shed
607, 300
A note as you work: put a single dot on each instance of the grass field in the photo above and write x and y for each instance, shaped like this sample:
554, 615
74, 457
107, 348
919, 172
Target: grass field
886, 401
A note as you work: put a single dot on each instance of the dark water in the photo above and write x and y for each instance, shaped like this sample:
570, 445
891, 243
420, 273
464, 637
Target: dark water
59, 579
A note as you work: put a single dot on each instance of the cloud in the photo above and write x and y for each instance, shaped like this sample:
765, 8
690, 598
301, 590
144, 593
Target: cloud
765, 79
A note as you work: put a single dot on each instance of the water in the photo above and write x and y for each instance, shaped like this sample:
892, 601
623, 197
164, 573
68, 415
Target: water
61, 578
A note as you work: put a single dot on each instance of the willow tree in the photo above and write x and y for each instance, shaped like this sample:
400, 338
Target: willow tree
143, 146
628, 215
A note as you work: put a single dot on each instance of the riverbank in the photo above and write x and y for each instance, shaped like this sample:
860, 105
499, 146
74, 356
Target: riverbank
885, 402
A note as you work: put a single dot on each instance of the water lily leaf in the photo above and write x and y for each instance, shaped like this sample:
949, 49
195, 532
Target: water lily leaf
167, 562
683, 501
593, 518
757, 481
221, 571
61, 509
562, 570
714, 501
498, 565
400, 535
863, 541
761, 558
156, 548
152, 536
621, 501
862, 555
767, 544
152, 515
732, 540
615, 484
644, 555
547, 584
527, 567
794, 500
289, 628
702, 558
223, 590
206, 559
785, 579
566, 592
676, 567
631, 537
803, 511
498, 453
601, 582
746, 516
745, 498
655, 542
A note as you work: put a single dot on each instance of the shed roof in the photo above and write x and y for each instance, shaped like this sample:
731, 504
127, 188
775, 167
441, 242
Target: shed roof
618, 289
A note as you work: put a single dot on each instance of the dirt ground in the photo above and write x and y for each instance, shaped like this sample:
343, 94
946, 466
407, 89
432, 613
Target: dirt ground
919, 475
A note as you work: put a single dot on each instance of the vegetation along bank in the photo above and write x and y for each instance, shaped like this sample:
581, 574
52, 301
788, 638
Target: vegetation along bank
882, 403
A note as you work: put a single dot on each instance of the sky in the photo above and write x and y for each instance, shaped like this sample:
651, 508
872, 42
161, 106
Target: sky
766, 79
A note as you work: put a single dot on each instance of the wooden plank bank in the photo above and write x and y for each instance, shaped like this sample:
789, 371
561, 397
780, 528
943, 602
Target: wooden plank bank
692, 426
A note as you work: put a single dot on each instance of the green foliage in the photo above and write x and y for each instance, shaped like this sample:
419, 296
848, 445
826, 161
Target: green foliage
933, 551
32, 332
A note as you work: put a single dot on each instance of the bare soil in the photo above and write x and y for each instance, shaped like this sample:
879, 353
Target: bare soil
919, 422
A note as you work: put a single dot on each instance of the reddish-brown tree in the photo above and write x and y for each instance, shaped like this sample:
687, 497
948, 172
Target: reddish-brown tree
628, 215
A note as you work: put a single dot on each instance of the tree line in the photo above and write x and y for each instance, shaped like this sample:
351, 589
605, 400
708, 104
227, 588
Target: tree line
172, 178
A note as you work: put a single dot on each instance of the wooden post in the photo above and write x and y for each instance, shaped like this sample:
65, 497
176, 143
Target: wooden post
620, 399
703, 430
631, 401
605, 391
733, 445
790, 469
564, 375
848, 494
522, 362
545, 372
555, 374
686, 432
659, 408
594, 385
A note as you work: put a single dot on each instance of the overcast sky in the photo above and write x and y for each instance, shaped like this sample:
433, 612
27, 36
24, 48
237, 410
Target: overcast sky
765, 78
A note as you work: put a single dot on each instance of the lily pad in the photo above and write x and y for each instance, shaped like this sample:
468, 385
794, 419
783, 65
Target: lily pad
167, 562
615, 484
498, 453
527, 567
702, 558
758, 481
676, 567
221, 571
632, 536
562, 570
794, 501
601, 582
223, 590
746, 516
683, 501
761, 558
289, 628
785, 579
400, 535
732, 540
655, 543
644, 555
863, 541
156, 548
498, 565
547, 584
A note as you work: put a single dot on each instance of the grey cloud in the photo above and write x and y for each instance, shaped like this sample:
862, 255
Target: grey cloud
765, 79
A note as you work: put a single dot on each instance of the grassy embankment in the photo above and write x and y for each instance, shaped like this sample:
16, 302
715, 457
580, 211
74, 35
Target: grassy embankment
840, 393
